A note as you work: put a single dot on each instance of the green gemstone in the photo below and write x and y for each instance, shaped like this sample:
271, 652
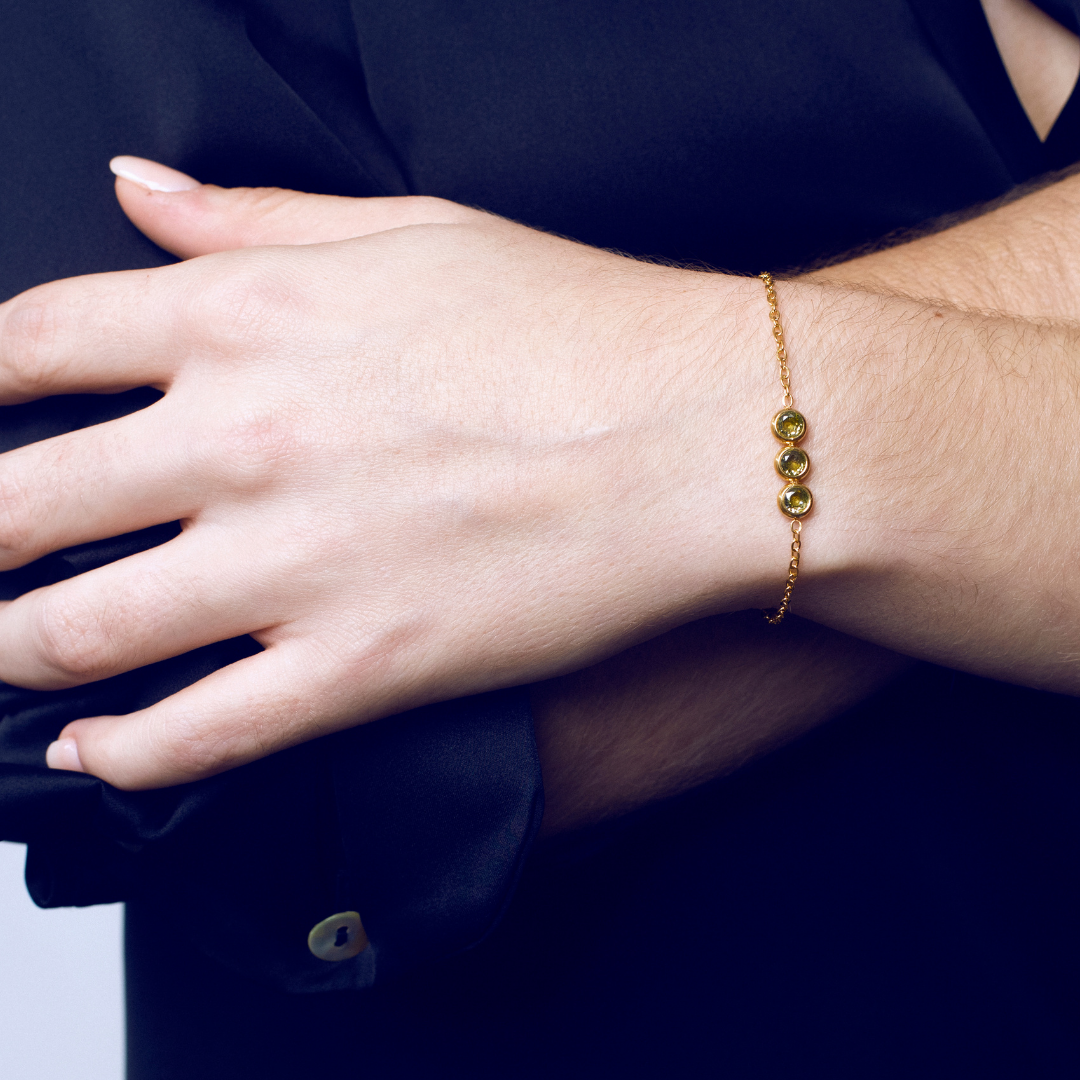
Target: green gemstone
791, 463
795, 500
789, 425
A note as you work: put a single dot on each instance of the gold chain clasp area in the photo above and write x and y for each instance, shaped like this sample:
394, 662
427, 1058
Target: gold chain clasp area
792, 462
777, 617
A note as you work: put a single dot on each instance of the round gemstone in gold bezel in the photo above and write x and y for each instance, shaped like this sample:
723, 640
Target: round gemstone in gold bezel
795, 500
792, 462
789, 425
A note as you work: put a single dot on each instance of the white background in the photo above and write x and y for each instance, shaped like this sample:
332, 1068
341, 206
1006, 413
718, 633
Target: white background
61, 988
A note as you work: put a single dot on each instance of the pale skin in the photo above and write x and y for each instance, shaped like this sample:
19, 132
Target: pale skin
1040, 55
404, 502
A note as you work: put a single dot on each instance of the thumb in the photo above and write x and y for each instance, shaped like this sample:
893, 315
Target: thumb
188, 218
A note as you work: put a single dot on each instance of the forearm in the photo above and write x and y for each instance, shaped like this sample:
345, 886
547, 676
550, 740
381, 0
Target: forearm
689, 706
1022, 258
937, 438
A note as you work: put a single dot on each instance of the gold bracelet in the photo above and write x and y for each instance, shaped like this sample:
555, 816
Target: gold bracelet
792, 462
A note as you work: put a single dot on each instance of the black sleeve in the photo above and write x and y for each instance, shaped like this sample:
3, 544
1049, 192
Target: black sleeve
420, 823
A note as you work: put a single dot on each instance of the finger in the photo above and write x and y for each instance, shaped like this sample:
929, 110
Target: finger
103, 481
189, 219
136, 611
101, 334
254, 707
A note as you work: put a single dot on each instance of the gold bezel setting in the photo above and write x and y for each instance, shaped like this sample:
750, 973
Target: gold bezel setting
793, 420
803, 500
796, 452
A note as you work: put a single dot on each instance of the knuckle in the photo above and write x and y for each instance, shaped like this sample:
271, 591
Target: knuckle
245, 216
31, 336
71, 641
263, 203
241, 302
251, 451
189, 747
16, 521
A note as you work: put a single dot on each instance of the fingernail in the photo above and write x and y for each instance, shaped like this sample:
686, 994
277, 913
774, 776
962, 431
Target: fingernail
63, 754
151, 175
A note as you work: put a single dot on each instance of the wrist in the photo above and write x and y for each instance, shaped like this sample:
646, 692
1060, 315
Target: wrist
711, 390
935, 531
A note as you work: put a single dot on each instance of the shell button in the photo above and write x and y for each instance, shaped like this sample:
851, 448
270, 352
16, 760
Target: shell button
340, 937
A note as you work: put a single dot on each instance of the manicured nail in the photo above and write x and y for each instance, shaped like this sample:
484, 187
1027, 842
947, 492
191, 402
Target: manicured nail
151, 175
63, 754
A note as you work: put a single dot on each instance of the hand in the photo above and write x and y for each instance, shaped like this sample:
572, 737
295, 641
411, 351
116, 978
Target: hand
657, 719
415, 464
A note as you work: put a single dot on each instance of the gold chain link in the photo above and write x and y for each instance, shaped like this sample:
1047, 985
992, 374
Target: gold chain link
776, 617
778, 334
